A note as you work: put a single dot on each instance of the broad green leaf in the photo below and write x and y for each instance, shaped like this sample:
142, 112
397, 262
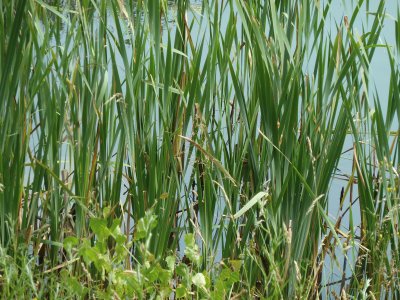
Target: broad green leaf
100, 228
199, 280
192, 249
253, 201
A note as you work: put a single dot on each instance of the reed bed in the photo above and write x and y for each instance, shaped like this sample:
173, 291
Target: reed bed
162, 149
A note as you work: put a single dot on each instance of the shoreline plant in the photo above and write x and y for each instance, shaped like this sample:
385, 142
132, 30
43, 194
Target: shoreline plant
178, 149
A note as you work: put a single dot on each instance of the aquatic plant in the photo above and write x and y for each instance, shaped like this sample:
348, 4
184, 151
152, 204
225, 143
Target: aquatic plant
157, 148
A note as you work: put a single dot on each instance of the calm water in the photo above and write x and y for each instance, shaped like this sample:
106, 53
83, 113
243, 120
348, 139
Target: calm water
379, 76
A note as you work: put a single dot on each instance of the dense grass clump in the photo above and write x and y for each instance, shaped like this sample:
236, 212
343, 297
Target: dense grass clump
214, 149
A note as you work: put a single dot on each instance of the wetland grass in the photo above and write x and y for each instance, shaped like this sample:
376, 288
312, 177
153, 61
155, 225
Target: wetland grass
151, 149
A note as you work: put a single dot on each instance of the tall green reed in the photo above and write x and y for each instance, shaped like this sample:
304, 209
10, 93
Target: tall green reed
232, 131
14, 140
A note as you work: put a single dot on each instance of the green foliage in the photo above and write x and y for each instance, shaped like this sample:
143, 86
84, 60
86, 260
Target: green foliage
192, 249
158, 148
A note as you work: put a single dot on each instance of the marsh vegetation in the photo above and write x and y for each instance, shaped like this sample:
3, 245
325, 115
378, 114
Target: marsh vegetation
155, 149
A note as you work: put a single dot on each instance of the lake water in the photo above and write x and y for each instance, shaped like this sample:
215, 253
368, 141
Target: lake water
379, 74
